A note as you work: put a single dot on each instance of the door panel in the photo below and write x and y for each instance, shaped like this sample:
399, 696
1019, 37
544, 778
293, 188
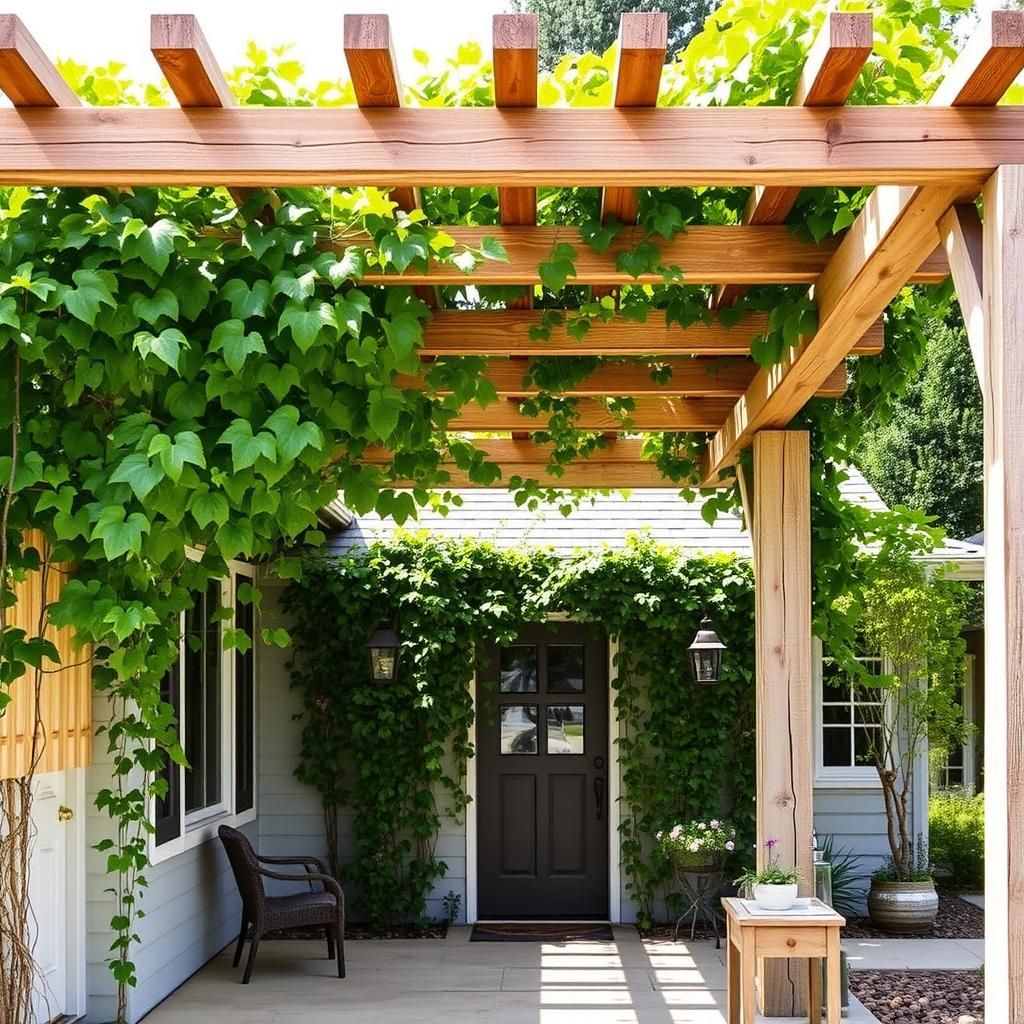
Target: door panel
48, 897
542, 754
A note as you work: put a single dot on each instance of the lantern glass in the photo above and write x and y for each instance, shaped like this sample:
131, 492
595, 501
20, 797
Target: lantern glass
384, 646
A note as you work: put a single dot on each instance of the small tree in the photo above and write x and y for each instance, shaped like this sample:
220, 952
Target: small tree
913, 618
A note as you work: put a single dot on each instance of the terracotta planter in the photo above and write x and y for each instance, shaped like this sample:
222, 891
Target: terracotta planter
906, 908
775, 897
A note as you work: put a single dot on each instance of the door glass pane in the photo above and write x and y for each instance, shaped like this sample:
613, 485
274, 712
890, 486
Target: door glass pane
518, 728
565, 668
565, 729
519, 669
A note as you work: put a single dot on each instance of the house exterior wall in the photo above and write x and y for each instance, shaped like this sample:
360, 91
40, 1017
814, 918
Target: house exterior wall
191, 905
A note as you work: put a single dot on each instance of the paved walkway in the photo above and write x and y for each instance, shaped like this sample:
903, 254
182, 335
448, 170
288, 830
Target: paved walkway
914, 954
454, 981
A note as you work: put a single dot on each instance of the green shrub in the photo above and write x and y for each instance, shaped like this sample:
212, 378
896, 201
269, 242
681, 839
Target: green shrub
956, 822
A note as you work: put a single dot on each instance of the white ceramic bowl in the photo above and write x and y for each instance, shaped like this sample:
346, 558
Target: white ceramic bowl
775, 897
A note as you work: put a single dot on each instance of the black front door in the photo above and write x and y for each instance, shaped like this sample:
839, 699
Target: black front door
542, 775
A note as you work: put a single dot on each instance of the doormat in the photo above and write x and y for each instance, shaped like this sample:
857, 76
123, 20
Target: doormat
533, 931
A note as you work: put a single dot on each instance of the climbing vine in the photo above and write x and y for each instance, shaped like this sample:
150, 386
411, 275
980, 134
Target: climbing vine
184, 374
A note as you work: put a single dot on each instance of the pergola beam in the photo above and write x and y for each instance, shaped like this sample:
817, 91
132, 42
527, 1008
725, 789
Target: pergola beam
643, 42
27, 76
692, 378
833, 65
619, 464
707, 254
988, 64
962, 235
648, 414
679, 146
508, 333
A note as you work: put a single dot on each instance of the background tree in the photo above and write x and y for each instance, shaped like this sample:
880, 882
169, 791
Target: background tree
593, 25
928, 454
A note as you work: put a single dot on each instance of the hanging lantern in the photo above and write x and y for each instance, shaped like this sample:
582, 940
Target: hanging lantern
383, 647
706, 654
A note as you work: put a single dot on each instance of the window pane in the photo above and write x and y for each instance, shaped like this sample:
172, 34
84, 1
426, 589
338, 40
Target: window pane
835, 745
862, 738
519, 728
565, 668
836, 714
202, 698
954, 777
565, 729
835, 685
519, 669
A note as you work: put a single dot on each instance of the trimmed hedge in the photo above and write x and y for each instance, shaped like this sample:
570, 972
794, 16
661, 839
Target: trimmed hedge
956, 823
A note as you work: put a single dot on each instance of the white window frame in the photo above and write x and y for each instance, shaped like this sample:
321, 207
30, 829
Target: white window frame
833, 776
968, 748
201, 825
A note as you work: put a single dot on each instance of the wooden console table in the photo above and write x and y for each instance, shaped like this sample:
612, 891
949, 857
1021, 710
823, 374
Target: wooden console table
810, 930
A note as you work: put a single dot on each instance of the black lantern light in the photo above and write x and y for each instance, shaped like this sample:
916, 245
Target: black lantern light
706, 654
383, 647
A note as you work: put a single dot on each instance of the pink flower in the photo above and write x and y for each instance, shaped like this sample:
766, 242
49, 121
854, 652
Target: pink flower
658, 836
701, 825
677, 832
770, 844
715, 823
695, 846
730, 846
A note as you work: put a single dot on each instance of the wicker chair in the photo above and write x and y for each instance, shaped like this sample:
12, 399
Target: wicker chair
262, 913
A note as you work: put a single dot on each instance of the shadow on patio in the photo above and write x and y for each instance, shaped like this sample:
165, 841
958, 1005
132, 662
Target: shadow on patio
456, 981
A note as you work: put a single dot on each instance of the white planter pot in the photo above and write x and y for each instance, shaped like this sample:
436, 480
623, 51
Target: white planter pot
775, 897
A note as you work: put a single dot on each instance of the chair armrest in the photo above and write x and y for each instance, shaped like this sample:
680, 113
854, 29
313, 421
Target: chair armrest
315, 861
330, 884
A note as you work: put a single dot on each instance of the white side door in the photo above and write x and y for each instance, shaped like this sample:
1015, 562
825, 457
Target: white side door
49, 895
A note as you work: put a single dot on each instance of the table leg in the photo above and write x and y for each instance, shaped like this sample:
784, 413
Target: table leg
747, 970
833, 997
814, 990
732, 961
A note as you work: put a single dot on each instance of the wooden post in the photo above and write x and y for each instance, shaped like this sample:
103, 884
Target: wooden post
782, 581
1004, 594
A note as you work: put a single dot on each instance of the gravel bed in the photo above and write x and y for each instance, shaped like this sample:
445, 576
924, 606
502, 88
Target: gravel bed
437, 930
921, 997
956, 919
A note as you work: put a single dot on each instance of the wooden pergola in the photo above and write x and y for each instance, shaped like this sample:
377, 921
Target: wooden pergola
929, 164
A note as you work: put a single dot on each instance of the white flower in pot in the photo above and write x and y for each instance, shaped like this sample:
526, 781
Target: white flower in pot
773, 887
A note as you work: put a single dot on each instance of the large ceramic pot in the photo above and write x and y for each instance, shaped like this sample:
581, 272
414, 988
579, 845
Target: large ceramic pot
903, 907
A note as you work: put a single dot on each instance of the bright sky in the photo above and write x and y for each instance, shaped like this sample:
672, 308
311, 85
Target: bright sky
94, 32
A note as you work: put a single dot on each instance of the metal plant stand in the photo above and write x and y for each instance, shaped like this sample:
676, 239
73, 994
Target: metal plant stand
699, 887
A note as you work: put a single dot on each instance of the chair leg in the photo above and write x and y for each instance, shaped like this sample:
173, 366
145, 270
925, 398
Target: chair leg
251, 958
329, 933
339, 938
241, 942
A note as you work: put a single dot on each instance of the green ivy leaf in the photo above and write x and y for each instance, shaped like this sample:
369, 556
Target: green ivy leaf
153, 243
247, 448
555, 272
150, 308
246, 300
385, 406
94, 288
166, 346
120, 535
293, 436
306, 324
185, 447
136, 471
404, 333
209, 507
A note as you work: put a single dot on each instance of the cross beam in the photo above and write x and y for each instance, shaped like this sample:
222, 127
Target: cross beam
266, 147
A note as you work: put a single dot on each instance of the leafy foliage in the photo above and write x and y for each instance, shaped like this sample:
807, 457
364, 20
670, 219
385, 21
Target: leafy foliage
928, 454
956, 831
593, 25
682, 754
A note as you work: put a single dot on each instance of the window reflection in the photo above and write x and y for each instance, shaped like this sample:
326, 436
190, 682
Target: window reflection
565, 668
565, 729
519, 729
519, 669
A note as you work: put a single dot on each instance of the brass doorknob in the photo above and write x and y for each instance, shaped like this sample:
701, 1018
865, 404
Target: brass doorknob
64, 813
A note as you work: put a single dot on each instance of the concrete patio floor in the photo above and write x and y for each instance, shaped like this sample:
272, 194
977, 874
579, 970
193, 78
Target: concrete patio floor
456, 981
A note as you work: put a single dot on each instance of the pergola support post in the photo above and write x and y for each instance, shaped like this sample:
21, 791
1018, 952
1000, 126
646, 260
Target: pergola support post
781, 532
1003, 386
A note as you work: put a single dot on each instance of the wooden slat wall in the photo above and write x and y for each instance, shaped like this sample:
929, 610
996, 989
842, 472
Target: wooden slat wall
65, 696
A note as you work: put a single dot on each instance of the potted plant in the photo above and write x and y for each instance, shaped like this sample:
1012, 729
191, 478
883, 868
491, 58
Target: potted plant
914, 621
773, 887
697, 845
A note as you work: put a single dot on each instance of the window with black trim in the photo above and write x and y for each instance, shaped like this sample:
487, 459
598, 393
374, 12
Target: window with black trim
213, 693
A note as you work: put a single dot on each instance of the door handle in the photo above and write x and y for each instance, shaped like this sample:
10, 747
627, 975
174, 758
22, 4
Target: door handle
599, 797
65, 813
